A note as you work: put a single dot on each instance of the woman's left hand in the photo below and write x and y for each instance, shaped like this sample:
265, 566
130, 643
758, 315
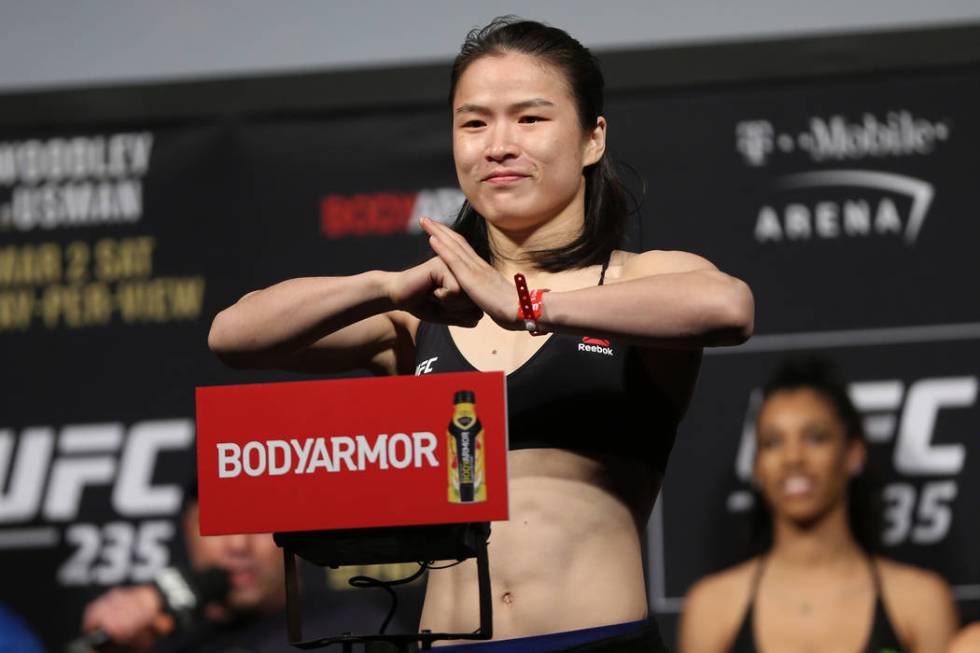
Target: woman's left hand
485, 287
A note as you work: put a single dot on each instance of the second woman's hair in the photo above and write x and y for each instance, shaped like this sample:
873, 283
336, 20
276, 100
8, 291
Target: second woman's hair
607, 208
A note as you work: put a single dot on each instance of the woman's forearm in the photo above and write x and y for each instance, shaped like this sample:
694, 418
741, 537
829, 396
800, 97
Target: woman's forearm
294, 314
696, 309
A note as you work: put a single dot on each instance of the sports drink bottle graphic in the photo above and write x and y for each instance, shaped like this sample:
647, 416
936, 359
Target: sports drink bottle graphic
467, 482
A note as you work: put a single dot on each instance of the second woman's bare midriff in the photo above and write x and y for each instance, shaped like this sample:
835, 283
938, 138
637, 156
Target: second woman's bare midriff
568, 558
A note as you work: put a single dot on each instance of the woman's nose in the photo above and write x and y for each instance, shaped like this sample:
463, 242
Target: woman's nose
792, 453
501, 144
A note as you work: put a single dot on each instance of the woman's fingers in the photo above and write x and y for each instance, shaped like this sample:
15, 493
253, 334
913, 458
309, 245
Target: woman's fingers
445, 281
461, 265
447, 298
443, 277
452, 245
477, 278
435, 228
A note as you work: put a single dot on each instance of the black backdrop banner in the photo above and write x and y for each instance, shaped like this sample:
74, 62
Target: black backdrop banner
108, 279
846, 202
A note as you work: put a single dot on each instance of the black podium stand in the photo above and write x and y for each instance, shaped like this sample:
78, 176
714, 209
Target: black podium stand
382, 546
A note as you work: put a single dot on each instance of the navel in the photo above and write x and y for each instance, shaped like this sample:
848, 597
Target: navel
507, 598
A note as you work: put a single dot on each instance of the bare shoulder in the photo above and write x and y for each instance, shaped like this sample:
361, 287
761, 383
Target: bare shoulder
660, 261
718, 589
714, 608
920, 602
967, 641
912, 585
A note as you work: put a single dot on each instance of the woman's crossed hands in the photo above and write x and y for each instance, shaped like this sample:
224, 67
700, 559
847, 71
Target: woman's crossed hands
456, 286
476, 279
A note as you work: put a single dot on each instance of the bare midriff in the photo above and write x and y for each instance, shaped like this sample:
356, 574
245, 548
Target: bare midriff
569, 557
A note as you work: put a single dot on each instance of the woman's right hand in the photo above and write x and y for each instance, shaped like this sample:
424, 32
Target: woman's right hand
430, 292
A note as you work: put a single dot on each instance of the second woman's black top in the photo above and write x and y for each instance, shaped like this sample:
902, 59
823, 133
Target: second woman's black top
881, 638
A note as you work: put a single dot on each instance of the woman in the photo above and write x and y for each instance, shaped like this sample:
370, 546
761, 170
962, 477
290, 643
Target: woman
543, 200
818, 587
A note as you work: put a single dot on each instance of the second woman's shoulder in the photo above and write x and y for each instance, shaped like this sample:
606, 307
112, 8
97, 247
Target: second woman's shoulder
911, 582
715, 606
920, 601
725, 584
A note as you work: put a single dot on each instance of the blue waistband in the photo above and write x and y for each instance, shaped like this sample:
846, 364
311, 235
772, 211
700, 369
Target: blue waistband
545, 643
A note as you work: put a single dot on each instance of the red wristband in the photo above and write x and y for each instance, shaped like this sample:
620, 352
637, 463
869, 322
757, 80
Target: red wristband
529, 305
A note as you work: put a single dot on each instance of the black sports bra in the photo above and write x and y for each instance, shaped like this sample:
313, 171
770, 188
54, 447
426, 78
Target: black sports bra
882, 638
579, 393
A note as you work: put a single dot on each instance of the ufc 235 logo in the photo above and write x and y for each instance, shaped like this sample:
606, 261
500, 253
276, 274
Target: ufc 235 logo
918, 510
47, 475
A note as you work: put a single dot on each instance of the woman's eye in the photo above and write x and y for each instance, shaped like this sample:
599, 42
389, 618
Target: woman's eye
470, 124
768, 443
816, 434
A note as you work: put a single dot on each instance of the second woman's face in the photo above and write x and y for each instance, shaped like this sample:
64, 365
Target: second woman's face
518, 143
803, 455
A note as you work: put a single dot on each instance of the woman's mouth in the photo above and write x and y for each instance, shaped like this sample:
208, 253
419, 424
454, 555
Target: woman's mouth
503, 178
796, 485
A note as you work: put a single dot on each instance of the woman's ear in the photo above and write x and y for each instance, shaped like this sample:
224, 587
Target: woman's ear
595, 144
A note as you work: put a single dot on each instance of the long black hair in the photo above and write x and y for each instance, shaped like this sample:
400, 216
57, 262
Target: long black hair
863, 490
607, 208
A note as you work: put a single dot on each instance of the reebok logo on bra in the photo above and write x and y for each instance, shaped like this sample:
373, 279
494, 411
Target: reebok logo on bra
596, 346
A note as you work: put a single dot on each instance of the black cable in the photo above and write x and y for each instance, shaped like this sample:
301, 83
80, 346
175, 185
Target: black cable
364, 582
428, 565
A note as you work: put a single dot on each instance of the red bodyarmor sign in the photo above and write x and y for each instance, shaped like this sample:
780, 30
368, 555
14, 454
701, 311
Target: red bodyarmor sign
352, 453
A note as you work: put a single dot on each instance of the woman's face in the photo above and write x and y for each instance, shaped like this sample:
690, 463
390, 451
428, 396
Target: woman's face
518, 143
803, 455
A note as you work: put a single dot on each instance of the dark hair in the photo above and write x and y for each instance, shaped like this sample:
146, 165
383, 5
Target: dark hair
863, 504
606, 207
